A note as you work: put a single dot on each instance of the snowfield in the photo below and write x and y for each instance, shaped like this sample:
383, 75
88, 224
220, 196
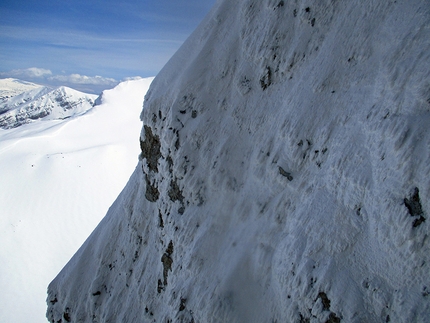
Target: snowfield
58, 179
283, 176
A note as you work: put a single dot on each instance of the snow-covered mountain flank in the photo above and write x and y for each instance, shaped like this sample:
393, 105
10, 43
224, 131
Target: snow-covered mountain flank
10, 87
283, 175
40, 102
58, 179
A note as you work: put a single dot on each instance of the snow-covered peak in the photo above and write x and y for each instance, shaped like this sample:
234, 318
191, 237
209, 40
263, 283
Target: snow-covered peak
283, 175
43, 103
115, 93
10, 87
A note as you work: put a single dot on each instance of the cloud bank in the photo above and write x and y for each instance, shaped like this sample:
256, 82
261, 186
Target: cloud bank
32, 72
83, 79
45, 76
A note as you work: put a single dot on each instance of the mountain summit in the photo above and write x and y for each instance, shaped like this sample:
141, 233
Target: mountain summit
283, 175
10, 87
28, 102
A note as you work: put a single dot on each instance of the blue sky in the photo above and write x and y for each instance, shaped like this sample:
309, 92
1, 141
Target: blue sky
92, 44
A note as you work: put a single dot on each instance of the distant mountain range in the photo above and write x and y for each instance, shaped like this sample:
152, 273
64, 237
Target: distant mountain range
23, 102
10, 87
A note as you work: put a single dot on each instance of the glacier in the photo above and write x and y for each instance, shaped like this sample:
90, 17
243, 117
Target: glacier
283, 175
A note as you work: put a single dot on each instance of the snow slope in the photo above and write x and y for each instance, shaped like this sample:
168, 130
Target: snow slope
58, 179
10, 87
284, 175
43, 103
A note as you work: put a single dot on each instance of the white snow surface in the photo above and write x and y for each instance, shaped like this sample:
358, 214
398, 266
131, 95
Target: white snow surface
10, 87
43, 103
284, 175
58, 179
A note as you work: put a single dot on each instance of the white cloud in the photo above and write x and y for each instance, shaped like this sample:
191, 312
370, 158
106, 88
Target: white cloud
32, 72
84, 83
132, 78
83, 79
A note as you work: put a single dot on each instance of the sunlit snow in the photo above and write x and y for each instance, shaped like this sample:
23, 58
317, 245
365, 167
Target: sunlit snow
10, 87
58, 179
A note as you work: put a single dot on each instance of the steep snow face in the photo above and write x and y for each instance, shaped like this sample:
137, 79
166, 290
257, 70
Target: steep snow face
283, 175
58, 179
43, 103
11, 87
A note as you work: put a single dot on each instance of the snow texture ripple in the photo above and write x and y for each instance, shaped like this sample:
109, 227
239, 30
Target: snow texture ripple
284, 175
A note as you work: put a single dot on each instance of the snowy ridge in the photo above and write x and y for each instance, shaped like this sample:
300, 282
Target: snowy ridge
43, 103
11, 87
283, 176
58, 179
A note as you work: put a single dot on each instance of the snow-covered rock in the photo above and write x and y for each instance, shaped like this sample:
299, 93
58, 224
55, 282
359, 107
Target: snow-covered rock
43, 103
284, 175
58, 179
